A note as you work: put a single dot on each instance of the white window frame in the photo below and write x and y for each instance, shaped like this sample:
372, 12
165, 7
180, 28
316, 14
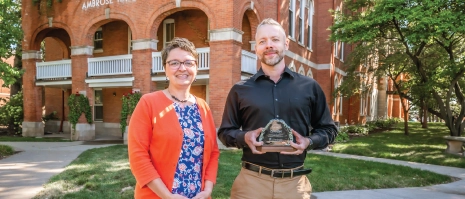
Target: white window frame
98, 50
341, 54
337, 43
336, 85
292, 18
374, 98
340, 98
301, 22
363, 102
165, 23
311, 13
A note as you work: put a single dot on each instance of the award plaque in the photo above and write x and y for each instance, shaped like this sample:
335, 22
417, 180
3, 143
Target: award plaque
276, 137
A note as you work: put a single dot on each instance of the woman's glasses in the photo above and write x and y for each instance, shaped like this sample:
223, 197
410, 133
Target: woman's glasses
174, 64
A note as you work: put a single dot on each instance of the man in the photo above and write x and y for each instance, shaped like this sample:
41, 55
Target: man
275, 92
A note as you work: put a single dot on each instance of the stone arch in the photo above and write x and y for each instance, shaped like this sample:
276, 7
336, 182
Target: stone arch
88, 34
167, 9
252, 15
301, 70
56, 37
40, 33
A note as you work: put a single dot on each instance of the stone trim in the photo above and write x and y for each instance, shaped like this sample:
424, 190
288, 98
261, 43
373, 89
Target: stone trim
143, 44
31, 54
225, 34
299, 58
82, 50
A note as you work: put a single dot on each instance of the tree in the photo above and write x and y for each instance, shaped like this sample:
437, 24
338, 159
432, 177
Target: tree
427, 40
10, 46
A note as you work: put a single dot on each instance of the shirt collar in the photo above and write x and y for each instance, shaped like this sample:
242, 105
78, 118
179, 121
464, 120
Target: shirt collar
261, 73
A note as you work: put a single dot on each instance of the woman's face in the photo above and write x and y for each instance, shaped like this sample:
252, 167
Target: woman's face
180, 67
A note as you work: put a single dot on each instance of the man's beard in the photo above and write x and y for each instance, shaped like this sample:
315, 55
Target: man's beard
272, 61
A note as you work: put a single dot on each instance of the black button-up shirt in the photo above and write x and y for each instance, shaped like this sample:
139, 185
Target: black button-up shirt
296, 99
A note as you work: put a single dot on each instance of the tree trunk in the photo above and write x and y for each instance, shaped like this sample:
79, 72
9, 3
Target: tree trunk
406, 122
424, 123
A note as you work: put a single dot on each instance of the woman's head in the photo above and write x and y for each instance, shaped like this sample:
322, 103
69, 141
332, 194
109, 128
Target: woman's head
181, 43
180, 61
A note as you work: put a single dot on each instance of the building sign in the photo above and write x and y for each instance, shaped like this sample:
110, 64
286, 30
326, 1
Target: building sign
97, 3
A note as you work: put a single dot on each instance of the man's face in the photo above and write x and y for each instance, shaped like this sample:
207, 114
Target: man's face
270, 44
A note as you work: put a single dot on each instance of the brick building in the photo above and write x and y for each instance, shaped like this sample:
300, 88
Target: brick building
105, 48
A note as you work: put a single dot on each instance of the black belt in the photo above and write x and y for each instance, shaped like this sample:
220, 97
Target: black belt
276, 173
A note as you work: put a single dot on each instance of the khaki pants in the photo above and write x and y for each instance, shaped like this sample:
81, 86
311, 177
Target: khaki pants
250, 185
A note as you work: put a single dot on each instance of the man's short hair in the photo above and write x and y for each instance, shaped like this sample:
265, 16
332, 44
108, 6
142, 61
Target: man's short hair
181, 43
270, 21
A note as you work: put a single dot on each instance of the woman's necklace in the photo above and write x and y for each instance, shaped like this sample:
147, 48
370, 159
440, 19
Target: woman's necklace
176, 99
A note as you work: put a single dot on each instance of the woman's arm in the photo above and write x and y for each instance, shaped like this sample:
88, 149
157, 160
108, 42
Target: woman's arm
159, 188
207, 191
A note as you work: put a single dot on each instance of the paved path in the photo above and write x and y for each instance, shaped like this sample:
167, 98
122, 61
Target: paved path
455, 190
22, 175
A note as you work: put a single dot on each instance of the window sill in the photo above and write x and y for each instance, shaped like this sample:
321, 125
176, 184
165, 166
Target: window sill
98, 50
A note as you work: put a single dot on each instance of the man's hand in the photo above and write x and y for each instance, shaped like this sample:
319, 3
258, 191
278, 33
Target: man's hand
251, 140
301, 144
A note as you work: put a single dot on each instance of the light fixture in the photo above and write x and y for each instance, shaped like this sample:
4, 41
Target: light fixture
114, 93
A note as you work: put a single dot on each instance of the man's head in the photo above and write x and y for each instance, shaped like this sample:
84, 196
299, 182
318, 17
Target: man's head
271, 42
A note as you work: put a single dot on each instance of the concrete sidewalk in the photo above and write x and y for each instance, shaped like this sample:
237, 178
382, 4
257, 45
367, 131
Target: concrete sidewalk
455, 190
22, 175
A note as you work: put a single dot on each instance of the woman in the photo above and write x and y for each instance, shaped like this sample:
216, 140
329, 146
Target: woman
172, 145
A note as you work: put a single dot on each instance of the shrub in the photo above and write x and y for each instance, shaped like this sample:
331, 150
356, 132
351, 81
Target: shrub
342, 136
130, 101
11, 113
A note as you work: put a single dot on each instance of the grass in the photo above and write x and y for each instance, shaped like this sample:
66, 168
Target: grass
6, 151
104, 173
31, 139
422, 145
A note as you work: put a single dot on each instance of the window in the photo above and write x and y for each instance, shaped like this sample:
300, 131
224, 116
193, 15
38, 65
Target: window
302, 70
341, 53
336, 49
98, 105
292, 66
336, 85
98, 40
291, 18
311, 12
363, 101
337, 44
373, 100
301, 22
168, 31
340, 99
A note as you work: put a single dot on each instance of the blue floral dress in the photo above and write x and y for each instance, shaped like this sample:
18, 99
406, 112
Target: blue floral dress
188, 176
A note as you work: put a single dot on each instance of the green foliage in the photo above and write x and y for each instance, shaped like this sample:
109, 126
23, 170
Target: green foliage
10, 39
419, 45
130, 101
49, 2
342, 136
6, 150
11, 113
78, 104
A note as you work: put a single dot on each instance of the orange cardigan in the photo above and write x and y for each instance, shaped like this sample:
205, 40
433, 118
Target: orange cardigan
155, 140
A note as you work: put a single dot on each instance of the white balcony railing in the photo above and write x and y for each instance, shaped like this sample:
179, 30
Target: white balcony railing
204, 60
53, 69
248, 62
111, 65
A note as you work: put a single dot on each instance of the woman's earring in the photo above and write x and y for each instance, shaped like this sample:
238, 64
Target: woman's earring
195, 79
167, 80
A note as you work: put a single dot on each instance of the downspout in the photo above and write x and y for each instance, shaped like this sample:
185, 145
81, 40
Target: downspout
62, 110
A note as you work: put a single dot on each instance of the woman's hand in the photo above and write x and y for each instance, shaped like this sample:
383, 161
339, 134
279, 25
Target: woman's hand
203, 195
177, 196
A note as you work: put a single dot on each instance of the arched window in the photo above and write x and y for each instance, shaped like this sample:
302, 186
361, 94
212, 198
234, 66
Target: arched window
309, 73
336, 85
292, 66
302, 70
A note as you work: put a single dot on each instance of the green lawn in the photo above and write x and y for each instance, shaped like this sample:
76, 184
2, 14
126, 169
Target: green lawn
6, 151
104, 173
422, 145
31, 139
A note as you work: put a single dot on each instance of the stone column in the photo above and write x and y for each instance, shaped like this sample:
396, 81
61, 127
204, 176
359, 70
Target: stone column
32, 96
142, 64
225, 67
79, 66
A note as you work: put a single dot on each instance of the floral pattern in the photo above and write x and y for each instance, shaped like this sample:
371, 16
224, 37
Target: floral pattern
188, 176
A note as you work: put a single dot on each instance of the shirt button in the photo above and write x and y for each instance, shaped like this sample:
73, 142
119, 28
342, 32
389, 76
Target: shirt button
277, 115
275, 85
276, 99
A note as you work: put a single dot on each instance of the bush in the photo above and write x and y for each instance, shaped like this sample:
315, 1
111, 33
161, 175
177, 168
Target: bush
11, 114
342, 136
5, 151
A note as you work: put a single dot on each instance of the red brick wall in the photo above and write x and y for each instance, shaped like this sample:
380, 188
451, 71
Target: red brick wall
112, 105
115, 39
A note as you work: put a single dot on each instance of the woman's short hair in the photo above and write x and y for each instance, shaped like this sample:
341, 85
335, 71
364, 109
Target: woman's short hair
181, 43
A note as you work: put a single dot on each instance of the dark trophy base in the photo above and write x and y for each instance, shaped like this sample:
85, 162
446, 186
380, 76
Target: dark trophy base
276, 148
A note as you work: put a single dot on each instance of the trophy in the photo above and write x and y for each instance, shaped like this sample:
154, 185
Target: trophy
276, 137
